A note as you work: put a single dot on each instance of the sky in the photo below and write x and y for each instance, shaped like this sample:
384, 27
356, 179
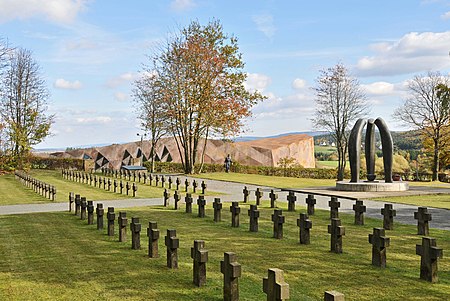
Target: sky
91, 51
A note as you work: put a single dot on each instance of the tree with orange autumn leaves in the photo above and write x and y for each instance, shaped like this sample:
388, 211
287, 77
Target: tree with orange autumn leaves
200, 79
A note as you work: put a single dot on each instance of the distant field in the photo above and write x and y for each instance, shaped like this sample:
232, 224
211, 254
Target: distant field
324, 149
326, 164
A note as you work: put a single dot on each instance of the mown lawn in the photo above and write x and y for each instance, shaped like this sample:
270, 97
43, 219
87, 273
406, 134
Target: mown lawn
56, 256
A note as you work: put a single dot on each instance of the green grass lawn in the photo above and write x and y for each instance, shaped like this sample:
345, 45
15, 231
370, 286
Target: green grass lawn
326, 164
56, 256
324, 149
13, 192
432, 200
280, 182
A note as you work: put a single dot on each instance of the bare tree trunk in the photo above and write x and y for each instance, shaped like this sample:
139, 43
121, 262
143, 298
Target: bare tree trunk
435, 160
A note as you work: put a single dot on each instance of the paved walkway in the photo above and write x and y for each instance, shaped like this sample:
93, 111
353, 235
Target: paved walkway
233, 192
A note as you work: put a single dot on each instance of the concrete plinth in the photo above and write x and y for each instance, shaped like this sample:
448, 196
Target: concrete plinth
372, 186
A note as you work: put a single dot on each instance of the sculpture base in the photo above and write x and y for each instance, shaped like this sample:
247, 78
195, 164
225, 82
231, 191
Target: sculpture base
372, 186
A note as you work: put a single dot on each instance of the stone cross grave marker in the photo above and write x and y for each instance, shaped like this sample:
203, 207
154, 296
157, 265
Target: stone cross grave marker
139, 177
109, 184
204, 186
145, 178
134, 188
334, 205
201, 202
200, 256
77, 204
90, 210
423, 217
122, 221
379, 244
388, 216
100, 212
305, 224
178, 182
157, 180
172, 244
121, 187
166, 197
429, 253
359, 209
163, 181
194, 186
83, 208
150, 179
153, 236
104, 183
115, 185
71, 200
186, 185
253, 213
246, 194
291, 198
235, 211
95, 181
273, 199
53, 192
128, 186
231, 271
275, 287
278, 221
336, 231
217, 205
188, 200
258, 195
134, 176
135, 228
333, 296
177, 198
170, 182
111, 217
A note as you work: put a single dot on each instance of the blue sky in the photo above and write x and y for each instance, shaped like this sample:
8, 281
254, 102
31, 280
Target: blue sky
90, 51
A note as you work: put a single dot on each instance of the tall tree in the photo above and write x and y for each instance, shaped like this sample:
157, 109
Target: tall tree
23, 104
339, 102
151, 110
427, 109
201, 79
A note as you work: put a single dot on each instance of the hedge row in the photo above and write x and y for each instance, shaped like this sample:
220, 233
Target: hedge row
55, 163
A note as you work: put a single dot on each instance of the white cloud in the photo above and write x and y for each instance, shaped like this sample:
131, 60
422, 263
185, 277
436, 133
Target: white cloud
182, 5
61, 83
446, 16
414, 52
122, 79
379, 88
94, 120
256, 81
298, 84
119, 96
264, 23
61, 11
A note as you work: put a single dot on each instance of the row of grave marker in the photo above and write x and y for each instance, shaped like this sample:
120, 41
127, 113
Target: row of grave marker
87, 178
46, 190
274, 285
428, 251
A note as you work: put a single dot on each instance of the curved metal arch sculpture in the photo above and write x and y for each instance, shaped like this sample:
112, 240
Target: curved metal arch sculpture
354, 149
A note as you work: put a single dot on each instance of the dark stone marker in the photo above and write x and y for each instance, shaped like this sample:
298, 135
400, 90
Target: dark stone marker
336, 231
258, 195
170, 182
135, 228
231, 271
121, 187
90, 210
127, 187
104, 183
153, 236
304, 223
200, 256
278, 221
134, 176
122, 221
83, 205
163, 181
423, 217
115, 185
379, 244
111, 217
253, 213
177, 198
186, 185
194, 186
172, 244
145, 178
359, 209
388, 216
150, 179
333, 296
334, 207
139, 177
166, 197
429, 259
71, 200
273, 199
275, 287
178, 182
291, 198
188, 200
95, 181
100, 212
201, 202
246, 194
109, 184
134, 188
217, 205
204, 186
77, 204
235, 211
